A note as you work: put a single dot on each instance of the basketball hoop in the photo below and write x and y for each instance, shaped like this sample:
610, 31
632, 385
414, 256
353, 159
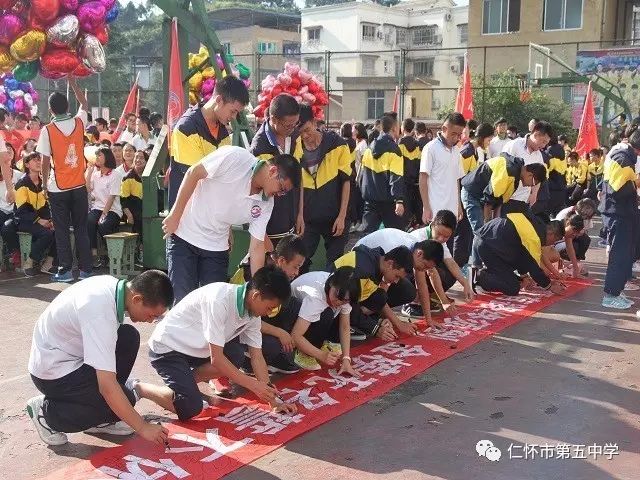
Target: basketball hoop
525, 90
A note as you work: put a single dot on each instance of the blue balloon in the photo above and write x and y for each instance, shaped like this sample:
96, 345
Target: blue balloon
113, 13
11, 84
10, 105
24, 86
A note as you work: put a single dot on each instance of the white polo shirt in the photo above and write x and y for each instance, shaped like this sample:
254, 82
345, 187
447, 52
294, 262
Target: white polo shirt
443, 165
44, 145
79, 326
103, 187
126, 137
213, 314
388, 239
223, 199
518, 148
309, 288
6, 207
424, 233
496, 146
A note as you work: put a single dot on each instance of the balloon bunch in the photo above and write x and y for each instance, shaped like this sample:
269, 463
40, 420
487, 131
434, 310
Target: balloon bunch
18, 97
54, 37
296, 81
202, 83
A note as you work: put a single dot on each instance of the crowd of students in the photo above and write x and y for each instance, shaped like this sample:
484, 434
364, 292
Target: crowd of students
470, 205
70, 174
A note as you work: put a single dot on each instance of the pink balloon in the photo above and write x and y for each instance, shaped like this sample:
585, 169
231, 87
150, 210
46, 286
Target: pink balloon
10, 26
35, 95
108, 4
91, 16
247, 82
3, 98
219, 62
18, 105
304, 76
208, 85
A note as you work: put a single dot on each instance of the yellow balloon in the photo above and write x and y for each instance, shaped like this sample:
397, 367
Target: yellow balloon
7, 62
193, 98
195, 82
208, 72
29, 46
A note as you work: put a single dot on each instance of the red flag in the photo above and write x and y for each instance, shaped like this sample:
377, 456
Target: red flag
588, 134
464, 99
129, 107
175, 105
396, 100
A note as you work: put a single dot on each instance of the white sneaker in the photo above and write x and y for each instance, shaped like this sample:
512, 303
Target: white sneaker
116, 428
48, 436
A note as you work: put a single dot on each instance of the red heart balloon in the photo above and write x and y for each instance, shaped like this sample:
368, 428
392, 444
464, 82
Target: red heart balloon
35, 23
102, 34
59, 60
7, 4
82, 71
45, 10
51, 75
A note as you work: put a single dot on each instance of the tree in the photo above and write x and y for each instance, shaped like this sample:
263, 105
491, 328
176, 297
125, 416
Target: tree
501, 98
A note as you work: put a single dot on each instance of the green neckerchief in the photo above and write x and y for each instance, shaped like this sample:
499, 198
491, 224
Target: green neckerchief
259, 164
240, 297
121, 289
60, 118
427, 231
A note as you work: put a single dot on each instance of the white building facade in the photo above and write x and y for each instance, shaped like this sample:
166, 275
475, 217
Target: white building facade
362, 47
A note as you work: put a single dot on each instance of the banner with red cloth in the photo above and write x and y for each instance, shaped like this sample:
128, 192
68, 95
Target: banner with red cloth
131, 106
175, 99
464, 99
588, 133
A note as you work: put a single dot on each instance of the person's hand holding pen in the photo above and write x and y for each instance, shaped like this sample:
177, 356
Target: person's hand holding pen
280, 406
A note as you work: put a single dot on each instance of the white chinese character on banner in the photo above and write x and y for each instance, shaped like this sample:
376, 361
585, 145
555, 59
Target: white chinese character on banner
610, 449
134, 469
260, 421
340, 381
563, 451
512, 451
579, 451
378, 364
484, 314
594, 450
470, 324
452, 335
212, 441
305, 398
547, 451
530, 451
401, 351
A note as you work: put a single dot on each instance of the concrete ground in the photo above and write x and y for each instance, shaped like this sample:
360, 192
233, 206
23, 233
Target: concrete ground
568, 374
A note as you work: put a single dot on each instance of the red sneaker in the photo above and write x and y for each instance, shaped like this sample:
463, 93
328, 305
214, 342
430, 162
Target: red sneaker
15, 259
221, 387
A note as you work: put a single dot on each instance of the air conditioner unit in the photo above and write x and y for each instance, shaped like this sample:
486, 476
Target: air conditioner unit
455, 68
447, 17
379, 35
435, 104
438, 39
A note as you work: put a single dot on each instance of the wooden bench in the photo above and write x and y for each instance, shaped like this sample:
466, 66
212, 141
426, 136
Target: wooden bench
121, 250
25, 247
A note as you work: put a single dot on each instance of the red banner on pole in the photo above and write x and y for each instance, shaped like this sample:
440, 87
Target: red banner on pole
396, 99
588, 133
131, 106
464, 99
175, 99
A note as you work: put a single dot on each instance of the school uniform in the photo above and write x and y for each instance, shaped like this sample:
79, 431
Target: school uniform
382, 184
265, 146
496, 145
131, 198
104, 186
580, 244
366, 263
411, 153
519, 201
79, 332
7, 218
63, 141
619, 207
31, 206
213, 314
556, 177
580, 181
506, 245
192, 139
446, 277
595, 179
324, 172
198, 252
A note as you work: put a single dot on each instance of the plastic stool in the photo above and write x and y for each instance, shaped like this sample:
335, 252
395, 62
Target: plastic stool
121, 249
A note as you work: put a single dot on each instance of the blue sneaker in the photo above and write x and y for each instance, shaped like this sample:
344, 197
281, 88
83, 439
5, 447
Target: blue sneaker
619, 302
82, 275
64, 277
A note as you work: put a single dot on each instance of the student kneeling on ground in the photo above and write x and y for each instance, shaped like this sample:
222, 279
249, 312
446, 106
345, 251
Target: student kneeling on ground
324, 319
567, 248
377, 271
440, 229
187, 347
426, 255
586, 209
82, 354
514, 243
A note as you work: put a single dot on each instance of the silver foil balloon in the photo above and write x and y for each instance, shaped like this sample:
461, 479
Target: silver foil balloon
91, 53
64, 31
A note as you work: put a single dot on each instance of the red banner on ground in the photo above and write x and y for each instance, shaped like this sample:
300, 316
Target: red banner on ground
222, 440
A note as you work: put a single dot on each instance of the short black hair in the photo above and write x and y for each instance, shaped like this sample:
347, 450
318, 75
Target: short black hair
387, 123
446, 218
586, 208
431, 250
290, 246
595, 151
408, 125
129, 115
232, 89
562, 138
573, 155
346, 130
421, 128
35, 117
109, 158
28, 158
288, 167
543, 127
144, 112
306, 115
346, 282
361, 131
3, 114
455, 118
512, 128
101, 121
401, 258
271, 282
534, 120
22, 117
614, 138
58, 103
575, 221
155, 116
539, 171
633, 134
393, 115
623, 116
499, 121
556, 228
155, 288
484, 130
284, 105
119, 144
145, 120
